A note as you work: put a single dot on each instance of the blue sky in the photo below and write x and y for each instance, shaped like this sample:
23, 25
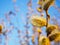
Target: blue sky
20, 18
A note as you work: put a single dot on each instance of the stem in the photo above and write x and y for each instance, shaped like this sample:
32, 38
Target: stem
46, 20
38, 38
